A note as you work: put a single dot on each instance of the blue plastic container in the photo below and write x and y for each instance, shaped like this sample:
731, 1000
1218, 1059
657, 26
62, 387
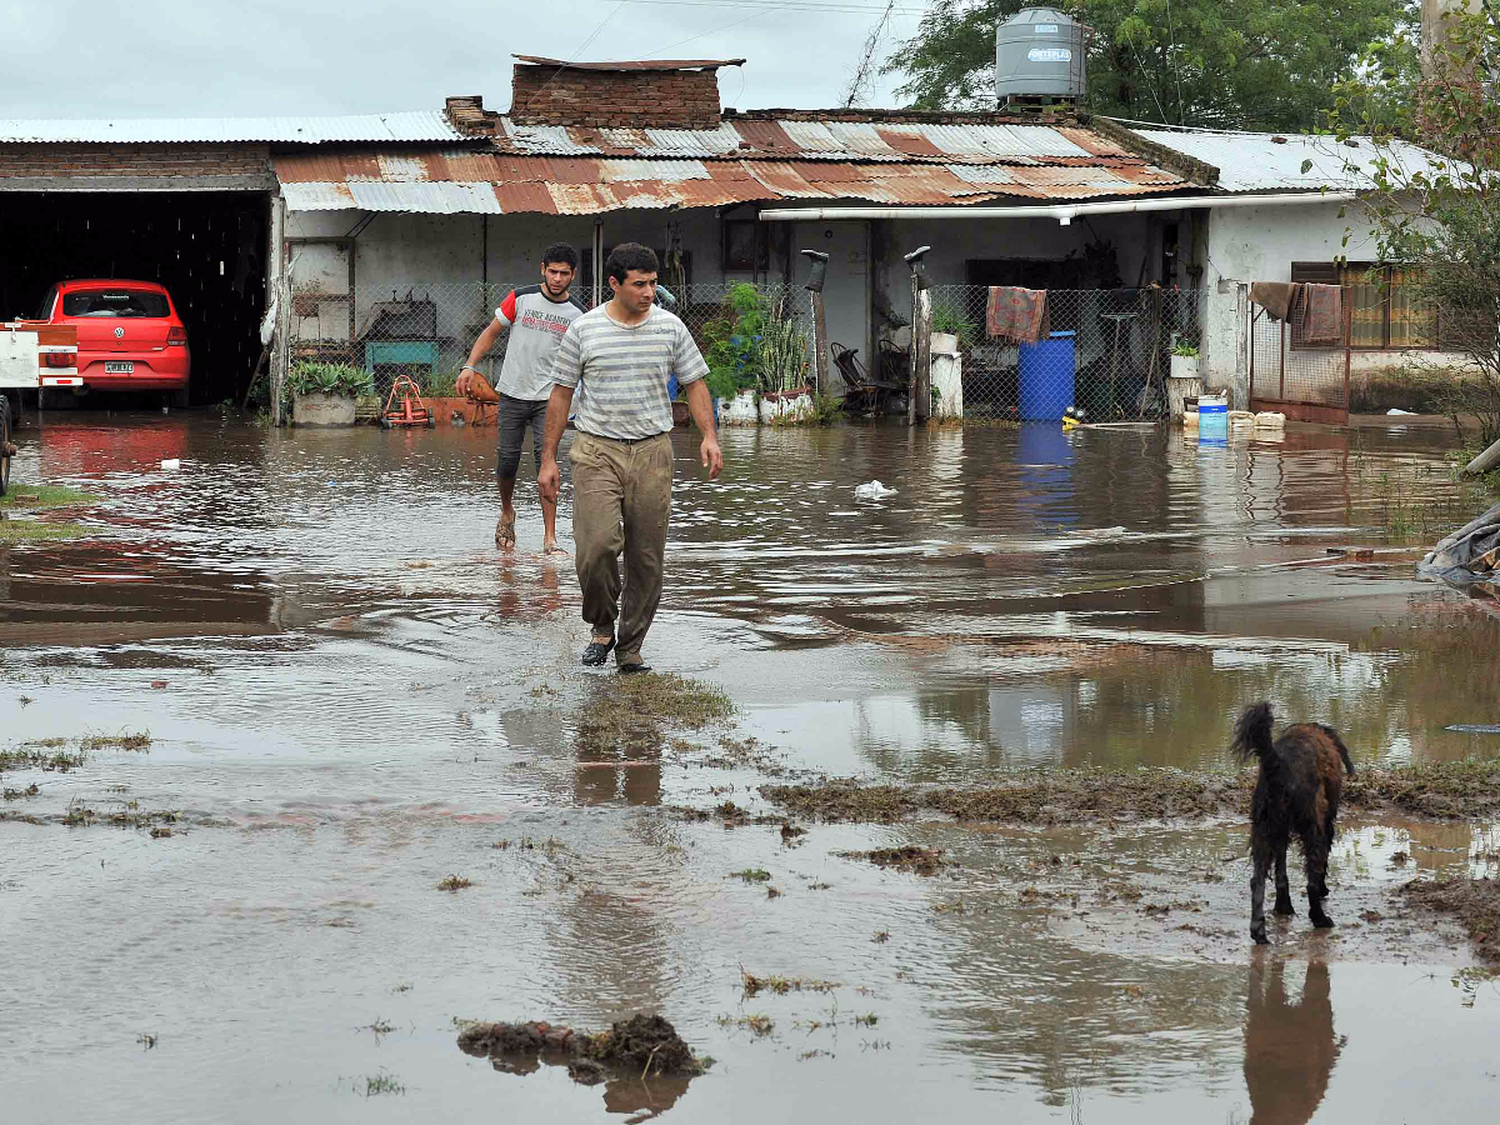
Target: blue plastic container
1048, 369
1213, 418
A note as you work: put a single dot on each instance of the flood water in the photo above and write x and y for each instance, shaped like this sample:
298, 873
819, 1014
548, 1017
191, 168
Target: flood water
351, 695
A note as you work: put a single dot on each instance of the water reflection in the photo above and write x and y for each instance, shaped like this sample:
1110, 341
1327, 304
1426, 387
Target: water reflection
1290, 1046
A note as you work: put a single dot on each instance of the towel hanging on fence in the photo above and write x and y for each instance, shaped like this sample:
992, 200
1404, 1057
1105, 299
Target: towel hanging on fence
1278, 298
1322, 313
1017, 314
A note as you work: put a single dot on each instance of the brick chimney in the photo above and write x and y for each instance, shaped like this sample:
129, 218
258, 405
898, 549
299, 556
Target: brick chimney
662, 94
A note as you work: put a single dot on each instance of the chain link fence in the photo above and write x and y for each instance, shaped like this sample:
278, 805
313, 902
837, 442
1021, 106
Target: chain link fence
1107, 351
425, 330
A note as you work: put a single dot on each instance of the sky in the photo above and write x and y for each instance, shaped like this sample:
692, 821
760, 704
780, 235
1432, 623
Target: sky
211, 58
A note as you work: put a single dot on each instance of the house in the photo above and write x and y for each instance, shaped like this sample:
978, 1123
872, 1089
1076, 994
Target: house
581, 157
398, 232
1325, 236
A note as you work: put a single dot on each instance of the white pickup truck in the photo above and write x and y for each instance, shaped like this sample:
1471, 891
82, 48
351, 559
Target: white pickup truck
32, 356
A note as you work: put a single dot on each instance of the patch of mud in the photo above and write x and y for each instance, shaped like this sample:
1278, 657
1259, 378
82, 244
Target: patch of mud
921, 861
640, 1047
1475, 903
1444, 791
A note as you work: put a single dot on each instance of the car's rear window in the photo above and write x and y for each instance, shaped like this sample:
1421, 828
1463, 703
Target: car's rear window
115, 302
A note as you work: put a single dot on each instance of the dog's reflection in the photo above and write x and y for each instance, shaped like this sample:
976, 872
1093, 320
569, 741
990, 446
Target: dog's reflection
1290, 1049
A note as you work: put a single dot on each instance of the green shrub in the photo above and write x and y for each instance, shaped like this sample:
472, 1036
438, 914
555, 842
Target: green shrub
308, 377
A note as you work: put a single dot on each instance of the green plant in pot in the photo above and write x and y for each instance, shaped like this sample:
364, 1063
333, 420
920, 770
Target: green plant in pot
732, 342
323, 394
950, 321
1185, 349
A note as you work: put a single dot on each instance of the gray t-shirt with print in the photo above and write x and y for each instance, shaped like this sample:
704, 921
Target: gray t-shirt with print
536, 324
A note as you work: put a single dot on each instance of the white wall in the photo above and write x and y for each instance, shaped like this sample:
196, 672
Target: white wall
1248, 244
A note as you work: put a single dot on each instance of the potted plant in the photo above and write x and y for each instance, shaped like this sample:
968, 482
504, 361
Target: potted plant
1184, 360
1183, 382
731, 347
950, 329
785, 393
323, 394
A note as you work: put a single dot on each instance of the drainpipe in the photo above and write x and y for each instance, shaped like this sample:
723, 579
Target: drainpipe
598, 262
1063, 213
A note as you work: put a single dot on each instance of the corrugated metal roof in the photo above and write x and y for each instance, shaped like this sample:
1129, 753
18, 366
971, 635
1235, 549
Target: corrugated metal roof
1273, 161
405, 127
501, 183
896, 141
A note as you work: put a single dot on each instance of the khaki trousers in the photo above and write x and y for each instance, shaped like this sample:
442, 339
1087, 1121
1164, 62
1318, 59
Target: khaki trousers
622, 496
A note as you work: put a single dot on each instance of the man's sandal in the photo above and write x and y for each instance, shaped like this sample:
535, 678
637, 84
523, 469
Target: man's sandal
594, 655
505, 533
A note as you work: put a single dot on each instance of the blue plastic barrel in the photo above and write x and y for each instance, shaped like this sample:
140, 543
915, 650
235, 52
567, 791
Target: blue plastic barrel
1047, 371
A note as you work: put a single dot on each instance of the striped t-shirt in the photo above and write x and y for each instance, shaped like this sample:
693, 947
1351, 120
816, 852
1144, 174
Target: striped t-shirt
622, 371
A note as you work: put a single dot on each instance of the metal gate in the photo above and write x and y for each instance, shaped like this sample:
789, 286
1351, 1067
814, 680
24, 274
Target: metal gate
1306, 379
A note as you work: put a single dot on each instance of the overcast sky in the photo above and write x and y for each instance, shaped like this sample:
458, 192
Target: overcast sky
209, 58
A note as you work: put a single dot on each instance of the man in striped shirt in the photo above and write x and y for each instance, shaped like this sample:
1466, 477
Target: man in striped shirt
621, 355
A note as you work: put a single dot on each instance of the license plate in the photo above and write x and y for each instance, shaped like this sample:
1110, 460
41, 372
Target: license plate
120, 368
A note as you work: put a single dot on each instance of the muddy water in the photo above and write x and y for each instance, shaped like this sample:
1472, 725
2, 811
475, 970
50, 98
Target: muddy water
358, 697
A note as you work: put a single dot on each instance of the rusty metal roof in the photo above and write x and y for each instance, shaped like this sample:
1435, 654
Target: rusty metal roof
388, 128
475, 181
896, 140
647, 64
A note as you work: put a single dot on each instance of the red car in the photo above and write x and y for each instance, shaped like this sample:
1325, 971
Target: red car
130, 337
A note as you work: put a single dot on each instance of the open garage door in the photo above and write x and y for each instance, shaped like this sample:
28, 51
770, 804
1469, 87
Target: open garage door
207, 247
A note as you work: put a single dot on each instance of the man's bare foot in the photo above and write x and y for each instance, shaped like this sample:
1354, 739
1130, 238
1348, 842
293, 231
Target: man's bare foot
550, 547
505, 532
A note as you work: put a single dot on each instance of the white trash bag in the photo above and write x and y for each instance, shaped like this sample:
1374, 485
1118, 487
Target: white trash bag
873, 490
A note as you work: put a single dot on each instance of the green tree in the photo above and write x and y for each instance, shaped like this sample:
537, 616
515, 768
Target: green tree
1440, 218
1261, 64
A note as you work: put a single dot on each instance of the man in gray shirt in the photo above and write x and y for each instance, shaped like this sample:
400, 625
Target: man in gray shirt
622, 354
537, 316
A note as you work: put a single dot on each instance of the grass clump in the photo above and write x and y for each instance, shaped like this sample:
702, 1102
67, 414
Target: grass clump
752, 985
636, 711
37, 497
41, 755
141, 740
454, 883
39, 531
751, 875
760, 1025
382, 1083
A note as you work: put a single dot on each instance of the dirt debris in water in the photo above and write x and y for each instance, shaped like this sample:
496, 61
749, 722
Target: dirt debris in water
1443, 791
1475, 903
641, 1047
922, 861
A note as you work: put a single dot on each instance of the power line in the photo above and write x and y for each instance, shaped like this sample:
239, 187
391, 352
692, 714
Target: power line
576, 54
837, 7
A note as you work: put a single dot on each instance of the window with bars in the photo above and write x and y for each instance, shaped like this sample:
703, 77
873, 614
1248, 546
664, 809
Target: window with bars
1385, 312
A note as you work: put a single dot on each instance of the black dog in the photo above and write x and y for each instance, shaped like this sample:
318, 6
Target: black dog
1298, 791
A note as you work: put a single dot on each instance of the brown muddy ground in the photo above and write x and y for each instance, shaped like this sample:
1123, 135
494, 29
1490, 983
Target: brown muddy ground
350, 699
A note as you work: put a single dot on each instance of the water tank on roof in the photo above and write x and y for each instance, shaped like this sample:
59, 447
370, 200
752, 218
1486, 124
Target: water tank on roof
1039, 52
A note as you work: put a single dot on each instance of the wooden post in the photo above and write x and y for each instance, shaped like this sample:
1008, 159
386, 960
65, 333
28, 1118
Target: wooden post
1484, 462
819, 274
922, 345
915, 371
911, 351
